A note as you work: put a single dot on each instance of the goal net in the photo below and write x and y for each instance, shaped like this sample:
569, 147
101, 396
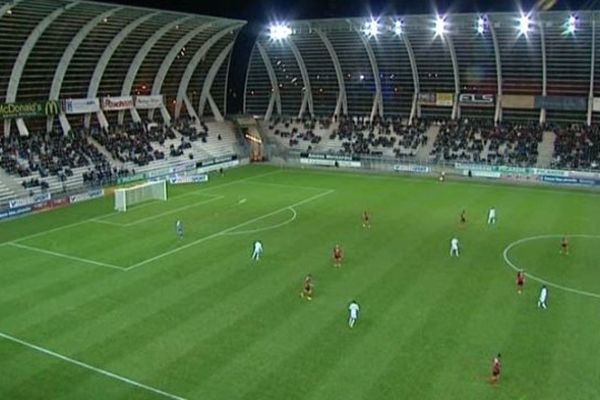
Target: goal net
140, 193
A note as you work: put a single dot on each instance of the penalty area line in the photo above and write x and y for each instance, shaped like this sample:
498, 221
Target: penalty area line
227, 230
90, 367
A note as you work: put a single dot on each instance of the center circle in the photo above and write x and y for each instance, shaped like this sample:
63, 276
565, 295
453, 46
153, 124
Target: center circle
512, 264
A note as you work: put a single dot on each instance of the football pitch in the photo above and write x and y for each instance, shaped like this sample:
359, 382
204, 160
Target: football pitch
96, 304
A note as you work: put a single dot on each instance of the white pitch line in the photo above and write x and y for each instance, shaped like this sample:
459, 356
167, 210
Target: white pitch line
153, 217
61, 255
223, 232
267, 228
541, 280
90, 367
85, 221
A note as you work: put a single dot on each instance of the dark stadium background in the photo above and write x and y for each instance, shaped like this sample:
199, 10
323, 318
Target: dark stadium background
261, 12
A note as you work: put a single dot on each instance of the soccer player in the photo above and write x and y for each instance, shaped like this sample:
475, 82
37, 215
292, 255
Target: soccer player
258, 249
564, 246
337, 256
454, 247
543, 300
353, 309
496, 369
179, 229
366, 222
463, 217
492, 216
520, 281
307, 288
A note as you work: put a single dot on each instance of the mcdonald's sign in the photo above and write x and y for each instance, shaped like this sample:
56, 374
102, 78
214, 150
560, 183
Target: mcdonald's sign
29, 110
52, 108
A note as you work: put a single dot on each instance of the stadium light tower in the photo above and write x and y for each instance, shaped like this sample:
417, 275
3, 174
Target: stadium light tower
440, 25
524, 24
279, 31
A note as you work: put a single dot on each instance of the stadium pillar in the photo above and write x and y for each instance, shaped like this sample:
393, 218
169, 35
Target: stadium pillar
377, 108
455, 104
275, 99
195, 61
65, 61
138, 60
307, 97
592, 66
105, 59
23, 56
208, 82
498, 113
342, 100
414, 109
544, 70
168, 61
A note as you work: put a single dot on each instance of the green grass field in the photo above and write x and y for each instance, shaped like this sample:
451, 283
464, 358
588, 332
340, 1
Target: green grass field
100, 305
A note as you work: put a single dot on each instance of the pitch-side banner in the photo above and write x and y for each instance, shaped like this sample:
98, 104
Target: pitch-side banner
81, 106
476, 100
427, 99
518, 101
117, 103
444, 99
148, 102
29, 110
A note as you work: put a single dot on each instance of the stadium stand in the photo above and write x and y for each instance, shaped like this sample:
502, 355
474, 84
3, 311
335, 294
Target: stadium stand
488, 88
108, 82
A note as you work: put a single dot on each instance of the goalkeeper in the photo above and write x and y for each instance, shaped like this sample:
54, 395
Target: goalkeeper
179, 229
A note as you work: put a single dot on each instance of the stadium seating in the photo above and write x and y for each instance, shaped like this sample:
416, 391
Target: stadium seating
577, 147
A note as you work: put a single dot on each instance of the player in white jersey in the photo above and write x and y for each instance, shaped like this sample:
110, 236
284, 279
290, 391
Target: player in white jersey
454, 247
257, 250
492, 216
353, 309
179, 229
543, 300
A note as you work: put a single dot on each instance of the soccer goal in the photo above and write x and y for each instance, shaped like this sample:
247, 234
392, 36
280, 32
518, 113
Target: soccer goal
140, 193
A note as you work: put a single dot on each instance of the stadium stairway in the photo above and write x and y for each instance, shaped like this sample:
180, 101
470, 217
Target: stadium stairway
546, 150
424, 151
9, 187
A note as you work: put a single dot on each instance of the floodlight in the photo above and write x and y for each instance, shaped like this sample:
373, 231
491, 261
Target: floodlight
524, 24
398, 27
440, 26
372, 28
481, 25
361, 77
279, 31
571, 24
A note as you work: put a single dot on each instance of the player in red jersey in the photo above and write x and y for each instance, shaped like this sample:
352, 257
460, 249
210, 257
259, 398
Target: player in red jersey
564, 246
366, 220
463, 217
520, 281
307, 288
496, 369
337, 256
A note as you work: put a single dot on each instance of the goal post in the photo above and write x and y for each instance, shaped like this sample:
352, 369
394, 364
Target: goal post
137, 194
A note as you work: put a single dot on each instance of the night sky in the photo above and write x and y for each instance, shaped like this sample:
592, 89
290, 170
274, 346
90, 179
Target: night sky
261, 12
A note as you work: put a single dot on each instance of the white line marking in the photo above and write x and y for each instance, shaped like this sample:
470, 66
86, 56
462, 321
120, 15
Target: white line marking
267, 228
223, 232
85, 221
283, 185
156, 216
61, 255
90, 367
541, 280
